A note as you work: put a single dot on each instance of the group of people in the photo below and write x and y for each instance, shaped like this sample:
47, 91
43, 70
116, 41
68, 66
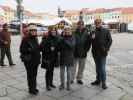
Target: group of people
5, 42
68, 51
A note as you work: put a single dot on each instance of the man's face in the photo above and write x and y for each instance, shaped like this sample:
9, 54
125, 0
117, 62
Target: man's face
6, 28
25, 29
81, 25
98, 23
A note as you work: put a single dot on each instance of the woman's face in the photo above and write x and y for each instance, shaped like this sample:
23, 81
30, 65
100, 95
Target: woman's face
53, 32
67, 31
45, 34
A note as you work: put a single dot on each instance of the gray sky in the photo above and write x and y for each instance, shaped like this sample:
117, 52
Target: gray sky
51, 5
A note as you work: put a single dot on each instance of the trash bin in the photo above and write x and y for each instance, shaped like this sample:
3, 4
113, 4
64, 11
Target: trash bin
123, 27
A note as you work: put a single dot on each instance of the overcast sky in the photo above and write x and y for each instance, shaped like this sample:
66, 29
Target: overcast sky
51, 5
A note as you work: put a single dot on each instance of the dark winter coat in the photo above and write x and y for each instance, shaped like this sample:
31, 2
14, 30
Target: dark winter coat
67, 44
101, 42
83, 43
5, 36
30, 49
49, 48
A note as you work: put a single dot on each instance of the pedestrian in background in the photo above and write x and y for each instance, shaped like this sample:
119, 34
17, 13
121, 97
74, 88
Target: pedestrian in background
5, 42
101, 42
49, 48
30, 55
82, 46
67, 44
25, 30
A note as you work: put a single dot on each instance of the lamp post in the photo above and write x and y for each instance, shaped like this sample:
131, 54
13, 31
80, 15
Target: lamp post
81, 16
20, 10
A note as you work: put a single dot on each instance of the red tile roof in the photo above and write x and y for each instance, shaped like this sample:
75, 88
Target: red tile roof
103, 10
27, 13
6, 8
127, 10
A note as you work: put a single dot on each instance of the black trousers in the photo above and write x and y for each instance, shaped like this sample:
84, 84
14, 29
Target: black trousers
49, 76
6, 51
31, 70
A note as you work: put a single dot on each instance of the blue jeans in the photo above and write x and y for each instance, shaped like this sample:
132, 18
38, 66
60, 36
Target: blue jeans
100, 63
63, 70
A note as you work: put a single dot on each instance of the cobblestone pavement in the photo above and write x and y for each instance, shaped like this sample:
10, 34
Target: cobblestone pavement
13, 84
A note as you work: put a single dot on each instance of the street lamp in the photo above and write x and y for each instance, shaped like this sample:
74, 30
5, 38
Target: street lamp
20, 10
81, 16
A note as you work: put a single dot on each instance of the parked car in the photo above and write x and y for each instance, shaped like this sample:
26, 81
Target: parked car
41, 30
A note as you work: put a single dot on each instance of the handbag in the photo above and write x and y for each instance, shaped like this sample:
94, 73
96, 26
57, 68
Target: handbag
45, 64
27, 57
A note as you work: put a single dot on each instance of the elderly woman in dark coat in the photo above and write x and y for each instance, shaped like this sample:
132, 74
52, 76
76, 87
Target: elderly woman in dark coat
49, 48
30, 55
67, 43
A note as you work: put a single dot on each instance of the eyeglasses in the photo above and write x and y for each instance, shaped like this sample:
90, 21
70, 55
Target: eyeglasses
33, 30
97, 22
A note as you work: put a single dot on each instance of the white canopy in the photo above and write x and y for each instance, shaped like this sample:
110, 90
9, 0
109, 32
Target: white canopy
55, 21
48, 22
89, 22
130, 26
32, 21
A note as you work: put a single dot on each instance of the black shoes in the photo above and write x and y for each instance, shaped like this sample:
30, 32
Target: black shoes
104, 86
52, 86
48, 88
61, 87
95, 83
80, 82
12, 64
37, 90
34, 92
72, 82
3, 65
6, 65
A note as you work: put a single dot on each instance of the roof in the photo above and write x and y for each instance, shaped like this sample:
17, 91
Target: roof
124, 10
71, 12
128, 10
6, 8
48, 22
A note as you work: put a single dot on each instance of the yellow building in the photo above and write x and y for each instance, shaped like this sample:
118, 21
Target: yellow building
127, 15
9, 13
72, 15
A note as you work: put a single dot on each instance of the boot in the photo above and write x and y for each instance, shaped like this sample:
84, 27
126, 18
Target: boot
53, 86
68, 86
48, 88
61, 87
104, 86
96, 83
80, 82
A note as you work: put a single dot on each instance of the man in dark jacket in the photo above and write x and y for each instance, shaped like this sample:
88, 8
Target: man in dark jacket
5, 39
82, 46
101, 42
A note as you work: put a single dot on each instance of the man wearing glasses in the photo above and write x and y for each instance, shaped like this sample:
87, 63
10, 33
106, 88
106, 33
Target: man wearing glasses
101, 42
